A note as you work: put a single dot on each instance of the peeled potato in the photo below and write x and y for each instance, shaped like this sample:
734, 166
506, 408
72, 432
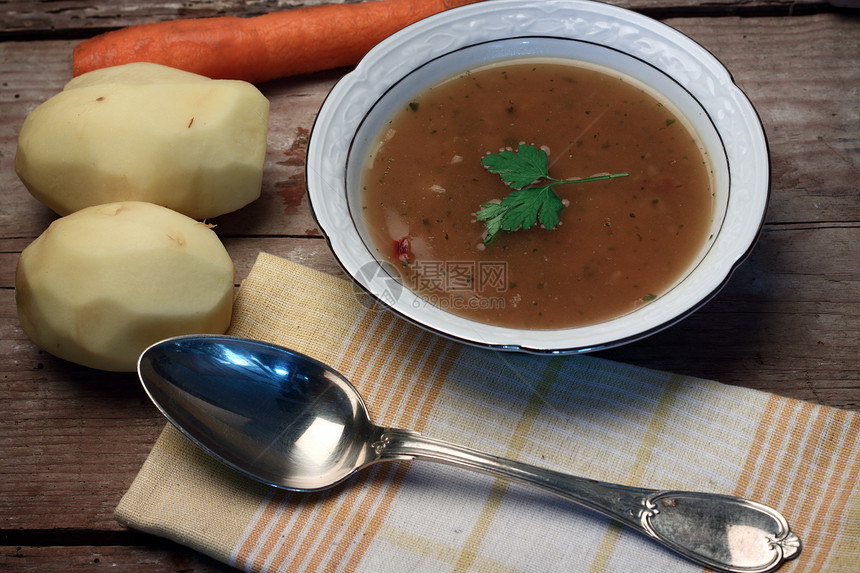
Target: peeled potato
102, 284
146, 132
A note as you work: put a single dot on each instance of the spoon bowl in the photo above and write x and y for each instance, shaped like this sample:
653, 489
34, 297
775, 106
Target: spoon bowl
292, 422
273, 414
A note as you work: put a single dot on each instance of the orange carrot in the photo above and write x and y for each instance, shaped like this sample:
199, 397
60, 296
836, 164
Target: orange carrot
259, 48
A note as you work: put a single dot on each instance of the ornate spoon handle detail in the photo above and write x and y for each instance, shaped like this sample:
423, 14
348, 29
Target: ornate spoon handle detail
722, 532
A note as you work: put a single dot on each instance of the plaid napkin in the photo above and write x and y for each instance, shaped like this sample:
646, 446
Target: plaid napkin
579, 414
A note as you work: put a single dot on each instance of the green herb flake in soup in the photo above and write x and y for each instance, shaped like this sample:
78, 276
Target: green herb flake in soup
610, 244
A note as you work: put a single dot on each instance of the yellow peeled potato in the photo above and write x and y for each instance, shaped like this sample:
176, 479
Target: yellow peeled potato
102, 284
146, 132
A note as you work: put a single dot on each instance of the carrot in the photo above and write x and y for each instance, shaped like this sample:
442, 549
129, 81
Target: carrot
259, 48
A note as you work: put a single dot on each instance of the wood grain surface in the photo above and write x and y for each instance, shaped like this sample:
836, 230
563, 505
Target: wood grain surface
787, 322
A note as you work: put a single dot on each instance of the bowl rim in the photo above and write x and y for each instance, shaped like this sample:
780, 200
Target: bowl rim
659, 46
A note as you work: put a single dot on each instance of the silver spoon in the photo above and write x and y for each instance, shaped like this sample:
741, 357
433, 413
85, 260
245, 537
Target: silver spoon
292, 422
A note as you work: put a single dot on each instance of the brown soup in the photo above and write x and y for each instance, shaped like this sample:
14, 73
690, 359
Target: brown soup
621, 242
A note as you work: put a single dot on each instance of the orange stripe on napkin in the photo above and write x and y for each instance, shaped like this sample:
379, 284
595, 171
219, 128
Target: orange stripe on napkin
378, 517
310, 512
434, 371
411, 416
793, 465
254, 537
806, 454
787, 453
823, 503
256, 532
761, 445
320, 522
328, 516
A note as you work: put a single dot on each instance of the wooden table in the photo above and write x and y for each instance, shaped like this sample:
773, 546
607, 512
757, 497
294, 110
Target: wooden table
72, 439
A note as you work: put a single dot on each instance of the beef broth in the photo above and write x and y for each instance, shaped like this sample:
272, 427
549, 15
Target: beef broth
621, 242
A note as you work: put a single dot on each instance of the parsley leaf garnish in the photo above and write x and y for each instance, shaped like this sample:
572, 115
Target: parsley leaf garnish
533, 199
520, 168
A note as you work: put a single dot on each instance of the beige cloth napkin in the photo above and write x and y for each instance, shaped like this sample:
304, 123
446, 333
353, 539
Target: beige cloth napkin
580, 414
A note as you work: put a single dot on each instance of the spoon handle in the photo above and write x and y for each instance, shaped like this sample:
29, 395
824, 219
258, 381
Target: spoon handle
723, 532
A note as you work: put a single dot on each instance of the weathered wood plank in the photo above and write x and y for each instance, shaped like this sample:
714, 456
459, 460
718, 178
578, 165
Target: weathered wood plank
161, 556
311, 252
282, 208
811, 124
807, 100
787, 322
776, 324
81, 16
776, 327
71, 438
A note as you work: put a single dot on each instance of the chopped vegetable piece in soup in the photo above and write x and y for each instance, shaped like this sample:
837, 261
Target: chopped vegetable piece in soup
620, 242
